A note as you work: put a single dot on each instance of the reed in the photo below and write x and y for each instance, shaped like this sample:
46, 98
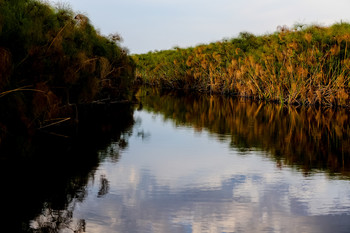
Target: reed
302, 65
51, 58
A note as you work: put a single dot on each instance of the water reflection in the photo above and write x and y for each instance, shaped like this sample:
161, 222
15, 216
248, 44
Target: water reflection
180, 180
44, 179
307, 137
189, 164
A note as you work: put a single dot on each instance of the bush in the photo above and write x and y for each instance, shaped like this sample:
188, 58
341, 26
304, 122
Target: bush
51, 58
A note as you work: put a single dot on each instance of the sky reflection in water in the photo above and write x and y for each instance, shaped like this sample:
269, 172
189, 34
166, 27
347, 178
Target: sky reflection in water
175, 179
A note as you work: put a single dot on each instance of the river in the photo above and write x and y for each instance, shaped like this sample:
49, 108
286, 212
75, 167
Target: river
188, 163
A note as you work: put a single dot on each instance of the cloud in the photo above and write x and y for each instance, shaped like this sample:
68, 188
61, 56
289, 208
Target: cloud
242, 203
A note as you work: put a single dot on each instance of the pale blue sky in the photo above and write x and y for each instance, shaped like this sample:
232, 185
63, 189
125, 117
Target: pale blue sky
148, 25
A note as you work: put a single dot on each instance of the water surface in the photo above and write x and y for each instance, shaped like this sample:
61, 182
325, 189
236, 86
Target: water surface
213, 164
176, 179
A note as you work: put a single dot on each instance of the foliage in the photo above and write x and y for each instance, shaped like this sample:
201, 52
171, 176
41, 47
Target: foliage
304, 65
52, 58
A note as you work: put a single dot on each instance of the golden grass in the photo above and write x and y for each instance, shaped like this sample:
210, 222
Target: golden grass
309, 66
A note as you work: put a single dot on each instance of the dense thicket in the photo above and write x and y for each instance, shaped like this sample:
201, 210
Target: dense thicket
304, 65
51, 59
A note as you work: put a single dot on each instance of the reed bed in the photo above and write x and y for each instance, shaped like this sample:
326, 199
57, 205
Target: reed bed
302, 65
52, 59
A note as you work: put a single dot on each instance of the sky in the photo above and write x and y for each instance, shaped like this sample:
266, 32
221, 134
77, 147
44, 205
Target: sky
150, 25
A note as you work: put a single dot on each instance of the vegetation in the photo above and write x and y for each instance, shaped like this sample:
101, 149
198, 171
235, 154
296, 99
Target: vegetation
304, 65
52, 59
307, 138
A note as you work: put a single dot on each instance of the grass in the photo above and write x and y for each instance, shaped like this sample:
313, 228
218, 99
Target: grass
50, 59
303, 65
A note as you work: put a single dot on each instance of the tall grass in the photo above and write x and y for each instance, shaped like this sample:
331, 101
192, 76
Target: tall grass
303, 65
52, 58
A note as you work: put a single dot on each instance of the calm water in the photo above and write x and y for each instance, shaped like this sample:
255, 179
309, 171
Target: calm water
210, 164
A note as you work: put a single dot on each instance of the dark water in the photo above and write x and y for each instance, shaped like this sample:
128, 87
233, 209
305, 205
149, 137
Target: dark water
191, 164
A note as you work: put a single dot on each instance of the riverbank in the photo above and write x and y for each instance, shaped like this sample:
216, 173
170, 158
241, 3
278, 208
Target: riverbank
52, 60
303, 65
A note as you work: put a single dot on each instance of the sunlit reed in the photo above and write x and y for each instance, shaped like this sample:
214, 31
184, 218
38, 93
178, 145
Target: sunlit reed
304, 65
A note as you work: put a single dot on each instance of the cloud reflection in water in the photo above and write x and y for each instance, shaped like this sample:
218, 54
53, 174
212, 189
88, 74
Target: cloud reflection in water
187, 183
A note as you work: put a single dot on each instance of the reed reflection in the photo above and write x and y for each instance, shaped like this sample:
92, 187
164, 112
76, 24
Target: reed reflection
307, 138
43, 182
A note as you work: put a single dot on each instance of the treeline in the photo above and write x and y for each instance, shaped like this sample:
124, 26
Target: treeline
303, 65
52, 59
308, 138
